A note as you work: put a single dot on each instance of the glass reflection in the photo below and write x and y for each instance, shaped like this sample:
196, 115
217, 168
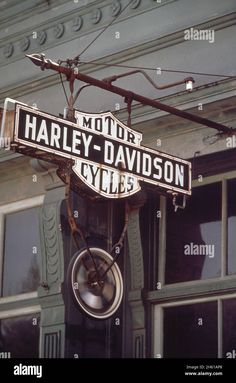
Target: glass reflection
190, 331
19, 336
193, 246
21, 252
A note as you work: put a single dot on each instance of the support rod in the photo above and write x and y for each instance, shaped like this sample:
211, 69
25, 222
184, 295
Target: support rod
40, 60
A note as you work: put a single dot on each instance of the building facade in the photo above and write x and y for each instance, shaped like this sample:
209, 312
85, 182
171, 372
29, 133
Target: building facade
178, 267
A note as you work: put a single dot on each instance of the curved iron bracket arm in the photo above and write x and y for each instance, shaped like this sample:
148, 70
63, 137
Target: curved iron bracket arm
48, 64
111, 79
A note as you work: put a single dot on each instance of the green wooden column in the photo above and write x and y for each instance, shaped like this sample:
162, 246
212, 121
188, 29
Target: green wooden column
52, 268
137, 278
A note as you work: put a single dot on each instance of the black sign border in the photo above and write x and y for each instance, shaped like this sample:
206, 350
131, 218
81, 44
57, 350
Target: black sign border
65, 155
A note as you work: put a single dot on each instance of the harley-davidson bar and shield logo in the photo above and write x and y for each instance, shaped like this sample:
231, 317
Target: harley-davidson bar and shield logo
108, 156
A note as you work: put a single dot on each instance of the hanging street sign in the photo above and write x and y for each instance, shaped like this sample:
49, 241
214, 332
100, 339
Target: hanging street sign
108, 155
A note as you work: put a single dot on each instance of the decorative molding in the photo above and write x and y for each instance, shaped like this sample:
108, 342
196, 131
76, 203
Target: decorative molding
24, 44
58, 30
77, 23
50, 228
15, 11
115, 8
52, 248
137, 276
139, 344
41, 37
52, 331
89, 21
8, 50
50, 294
52, 345
135, 251
96, 15
117, 58
135, 4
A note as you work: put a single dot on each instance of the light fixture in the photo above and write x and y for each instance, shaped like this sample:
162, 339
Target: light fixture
189, 84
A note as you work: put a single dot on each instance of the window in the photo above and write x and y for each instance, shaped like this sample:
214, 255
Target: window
19, 336
20, 277
194, 311
21, 248
203, 328
200, 239
193, 248
191, 331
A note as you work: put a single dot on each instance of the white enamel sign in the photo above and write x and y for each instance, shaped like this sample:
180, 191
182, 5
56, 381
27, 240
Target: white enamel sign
108, 156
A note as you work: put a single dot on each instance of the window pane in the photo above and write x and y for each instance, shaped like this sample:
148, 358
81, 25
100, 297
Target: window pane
19, 337
229, 328
21, 252
231, 226
193, 245
190, 331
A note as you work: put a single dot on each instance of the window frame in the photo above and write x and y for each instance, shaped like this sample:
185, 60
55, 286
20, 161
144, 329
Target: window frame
9, 208
223, 178
25, 303
18, 312
158, 320
195, 291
